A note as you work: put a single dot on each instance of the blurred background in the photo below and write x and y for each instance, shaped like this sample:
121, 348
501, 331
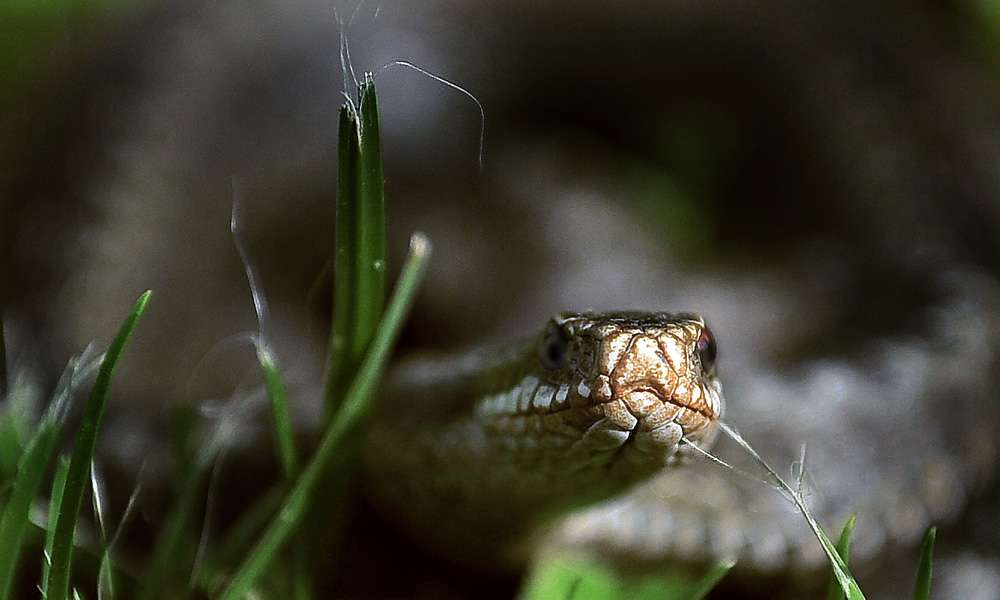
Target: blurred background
810, 177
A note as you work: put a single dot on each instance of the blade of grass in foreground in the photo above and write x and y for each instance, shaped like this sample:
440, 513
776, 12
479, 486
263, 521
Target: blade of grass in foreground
357, 403
922, 587
359, 259
14, 523
58, 484
281, 419
31, 469
844, 578
281, 425
844, 550
711, 579
83, 454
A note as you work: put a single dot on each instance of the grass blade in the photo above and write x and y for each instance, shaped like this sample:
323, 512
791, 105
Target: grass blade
356, 405
834, 592
83, 454
371, 219
58, 485
282, 422
843, 576
31, 469
285, 441
711, 579
922, 587
345, 268
14, 522
359, 260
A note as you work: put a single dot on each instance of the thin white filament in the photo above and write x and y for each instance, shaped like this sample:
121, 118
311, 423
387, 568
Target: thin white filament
455, 86
259, 301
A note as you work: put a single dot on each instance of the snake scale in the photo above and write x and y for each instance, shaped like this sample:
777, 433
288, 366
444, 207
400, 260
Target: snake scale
839, 202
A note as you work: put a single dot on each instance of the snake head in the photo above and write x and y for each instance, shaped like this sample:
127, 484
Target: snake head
645, 378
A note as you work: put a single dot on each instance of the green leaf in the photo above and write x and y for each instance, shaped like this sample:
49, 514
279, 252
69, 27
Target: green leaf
83, 454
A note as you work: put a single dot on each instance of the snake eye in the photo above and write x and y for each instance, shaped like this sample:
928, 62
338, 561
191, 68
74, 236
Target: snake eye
706, 349
554, 350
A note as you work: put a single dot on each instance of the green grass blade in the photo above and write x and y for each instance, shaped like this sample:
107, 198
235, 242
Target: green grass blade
285, 441
834, 592
922, 587
31, 469
339, 364
281, 420
14, 522
355, 408
711, 579
3, 358
359, 260
83, 454
371, 219
840, 571
58, 485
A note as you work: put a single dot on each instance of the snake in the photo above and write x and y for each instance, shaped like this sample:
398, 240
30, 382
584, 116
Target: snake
473, 453
588, 438
850, 201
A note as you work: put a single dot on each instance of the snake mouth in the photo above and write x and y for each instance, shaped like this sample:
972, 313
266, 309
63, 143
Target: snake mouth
649, 421
655, 390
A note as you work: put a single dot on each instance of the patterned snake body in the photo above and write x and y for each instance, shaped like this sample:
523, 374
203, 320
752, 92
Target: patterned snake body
487, 447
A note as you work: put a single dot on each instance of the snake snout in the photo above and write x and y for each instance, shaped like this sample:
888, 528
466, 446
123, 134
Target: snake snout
658, 381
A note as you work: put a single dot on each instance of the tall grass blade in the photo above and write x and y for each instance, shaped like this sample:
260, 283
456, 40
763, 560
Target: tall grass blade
83, 454
58, 485
359, 259
31, 468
